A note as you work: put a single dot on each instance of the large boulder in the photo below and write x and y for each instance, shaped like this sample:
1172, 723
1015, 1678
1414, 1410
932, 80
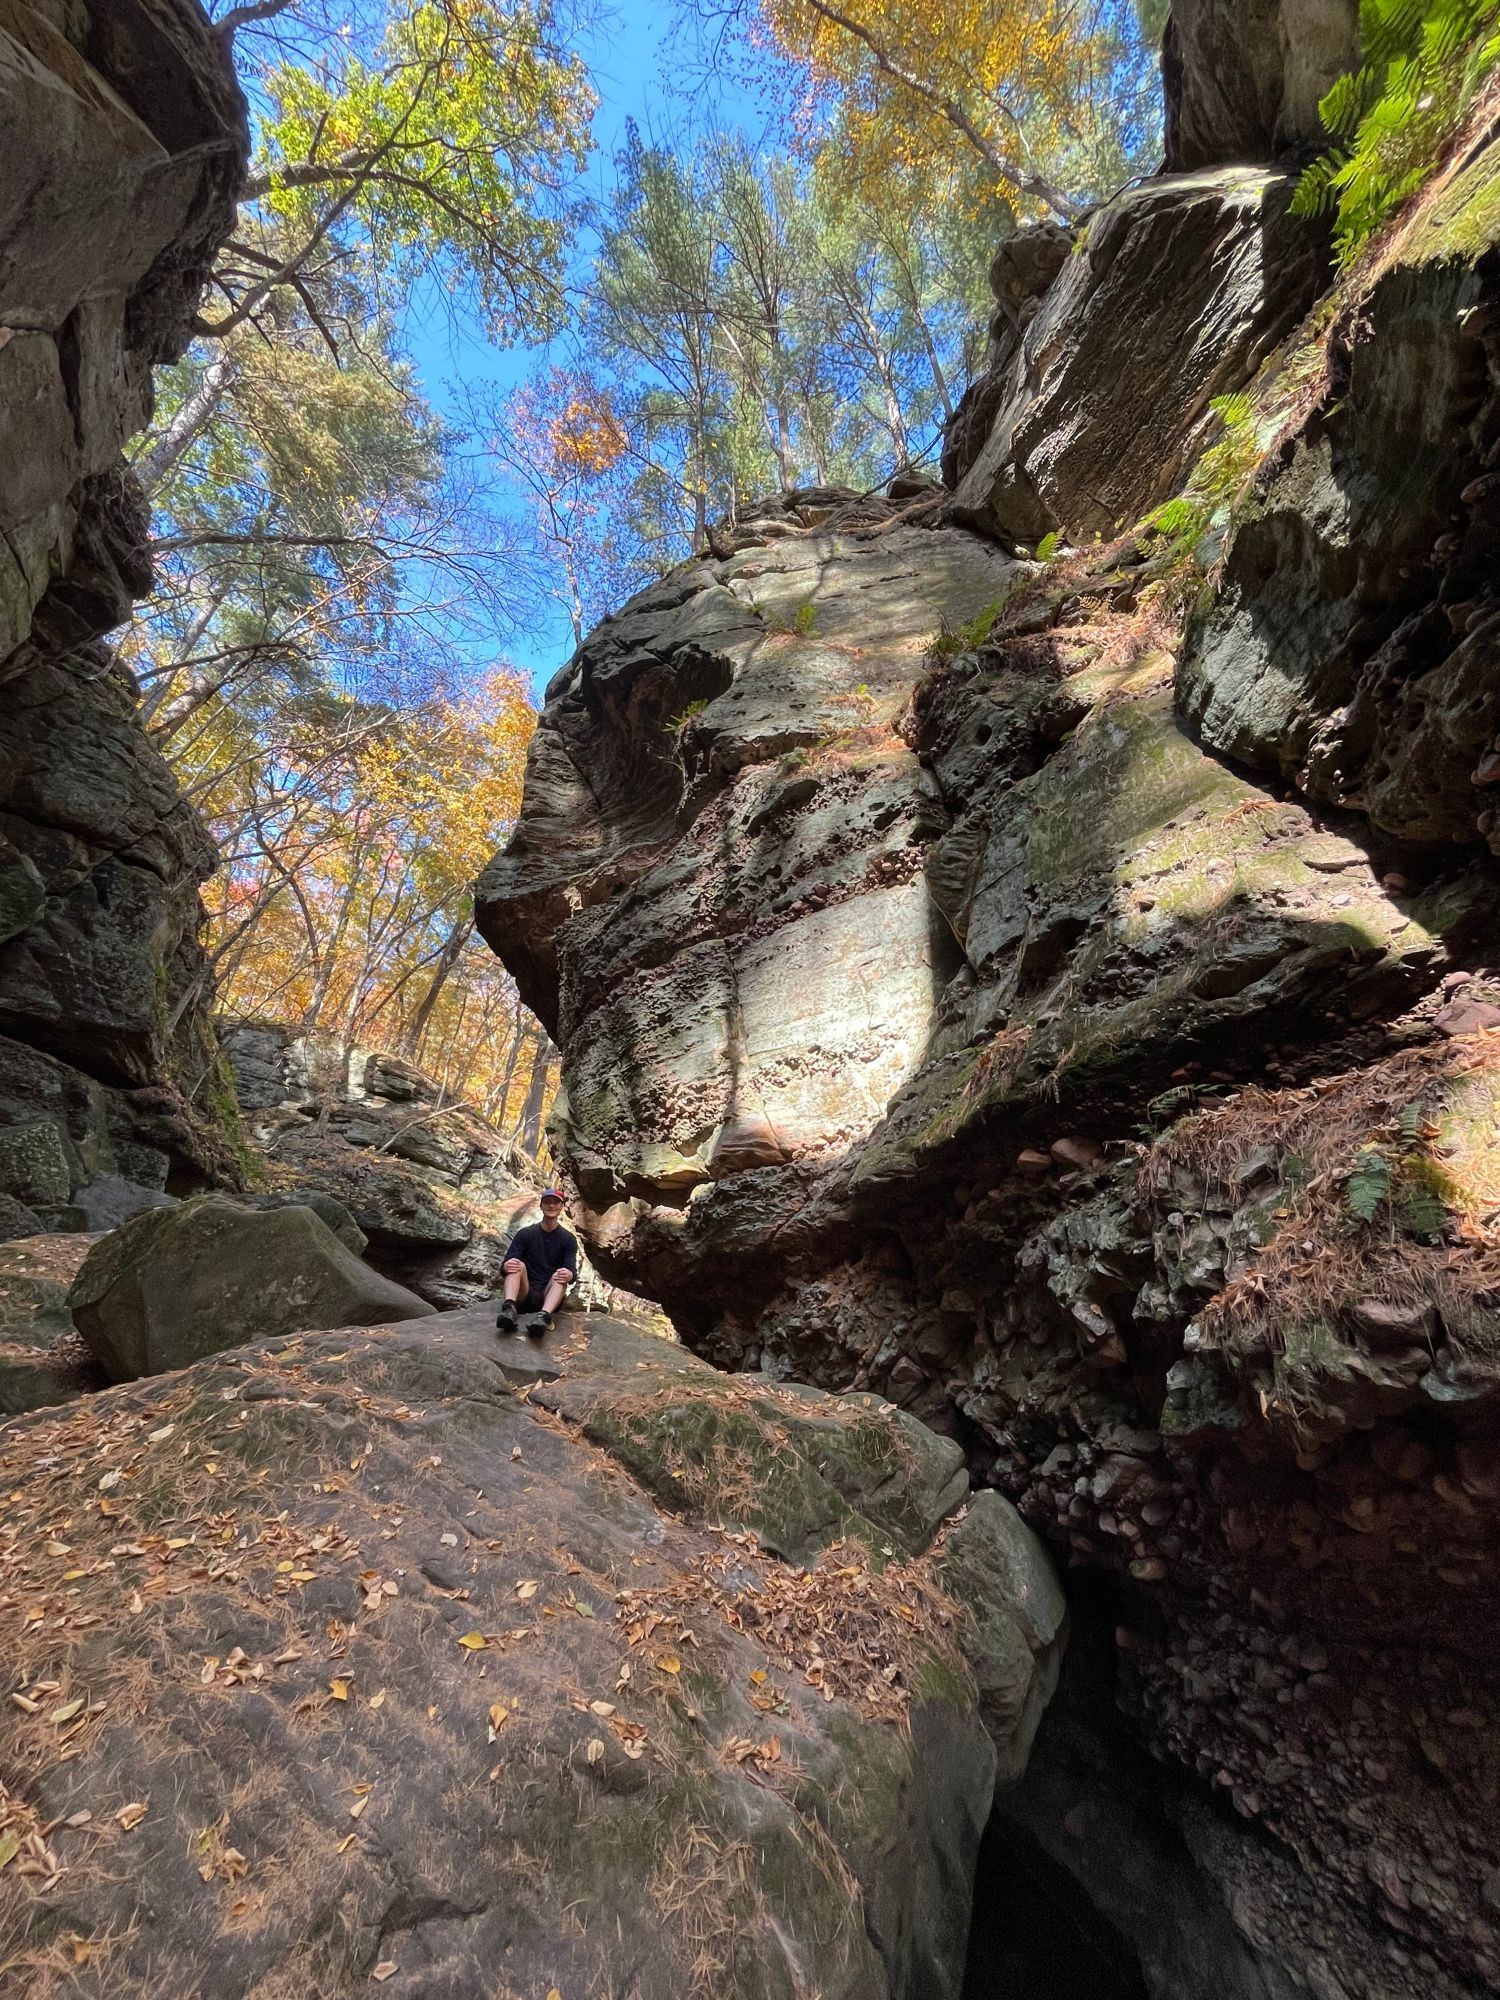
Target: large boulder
1176, 293
174, 1284
122, 142
1244, 78
725, 918
470, 1689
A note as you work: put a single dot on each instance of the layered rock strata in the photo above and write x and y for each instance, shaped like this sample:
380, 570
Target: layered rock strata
122, 141
1084, 1034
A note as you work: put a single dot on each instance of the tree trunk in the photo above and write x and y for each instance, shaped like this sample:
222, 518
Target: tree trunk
411, 1036
531, 1111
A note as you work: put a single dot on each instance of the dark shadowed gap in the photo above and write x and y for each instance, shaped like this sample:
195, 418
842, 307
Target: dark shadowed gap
1036, 1935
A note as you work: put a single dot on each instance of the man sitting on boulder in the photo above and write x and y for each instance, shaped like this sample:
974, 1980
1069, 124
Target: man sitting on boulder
540, 1264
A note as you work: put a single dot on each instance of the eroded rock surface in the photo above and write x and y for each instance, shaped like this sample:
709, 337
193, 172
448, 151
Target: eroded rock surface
475, 1690
1244, 78
1174, 295
122, 141
1180, 1212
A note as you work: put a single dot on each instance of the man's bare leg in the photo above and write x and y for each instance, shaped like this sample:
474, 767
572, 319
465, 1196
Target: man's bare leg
515, 1285
557, 1290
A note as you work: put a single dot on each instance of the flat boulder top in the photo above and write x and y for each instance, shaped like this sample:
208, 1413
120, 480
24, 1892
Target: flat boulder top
347, 1659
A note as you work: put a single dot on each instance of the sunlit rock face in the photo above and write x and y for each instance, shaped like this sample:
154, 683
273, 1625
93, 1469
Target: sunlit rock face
716, 895
122, 140
1172, 297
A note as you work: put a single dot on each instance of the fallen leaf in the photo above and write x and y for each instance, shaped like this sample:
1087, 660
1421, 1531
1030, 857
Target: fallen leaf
499, 1716
68, 1710
10, 1844
759, 1676
339, 1690
602, 1707
449, 1541
595, 1749
24, 1701
473, 1642
553, 1993
131, 1816
78, 1818
357, 1808
384, 1970
515, 1451
670, 1664
346, 1843
527, 1590
109, 1482
376, 1699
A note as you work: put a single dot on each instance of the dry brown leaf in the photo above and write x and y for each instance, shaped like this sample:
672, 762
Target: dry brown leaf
670, 1664
385, 1969
473, 1642
527, 1590
131, 1816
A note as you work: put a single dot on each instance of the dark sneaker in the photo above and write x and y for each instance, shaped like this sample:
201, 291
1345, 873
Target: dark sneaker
505, 1319
539, 1324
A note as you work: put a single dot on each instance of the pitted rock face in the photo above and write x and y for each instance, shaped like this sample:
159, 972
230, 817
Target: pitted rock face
122, 141
745, 967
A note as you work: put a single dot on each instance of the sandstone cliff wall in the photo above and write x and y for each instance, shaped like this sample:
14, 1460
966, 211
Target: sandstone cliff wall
122, 141
1066, 1003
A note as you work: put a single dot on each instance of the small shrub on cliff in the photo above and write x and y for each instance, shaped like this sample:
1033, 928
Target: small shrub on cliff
1188, 521
952, 640
1425, 62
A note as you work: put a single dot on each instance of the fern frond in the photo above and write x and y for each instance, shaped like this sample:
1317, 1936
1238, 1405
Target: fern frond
1368, 1187
1350, 100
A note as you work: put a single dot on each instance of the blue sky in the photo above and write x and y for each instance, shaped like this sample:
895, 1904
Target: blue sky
641, 71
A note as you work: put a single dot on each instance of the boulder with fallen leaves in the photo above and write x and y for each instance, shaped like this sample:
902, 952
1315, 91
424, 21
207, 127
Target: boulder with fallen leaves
362, 1657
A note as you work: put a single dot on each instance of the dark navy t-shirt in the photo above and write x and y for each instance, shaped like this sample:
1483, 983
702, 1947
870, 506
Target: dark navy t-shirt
544, 1251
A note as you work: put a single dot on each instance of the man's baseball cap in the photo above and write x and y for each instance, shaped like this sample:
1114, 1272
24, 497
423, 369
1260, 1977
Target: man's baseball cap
550, 1194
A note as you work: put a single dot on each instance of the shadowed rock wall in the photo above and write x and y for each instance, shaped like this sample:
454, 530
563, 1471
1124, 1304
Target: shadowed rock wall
122, 140
1080, 1026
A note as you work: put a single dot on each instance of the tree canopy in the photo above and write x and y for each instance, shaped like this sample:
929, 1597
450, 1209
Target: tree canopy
342, 561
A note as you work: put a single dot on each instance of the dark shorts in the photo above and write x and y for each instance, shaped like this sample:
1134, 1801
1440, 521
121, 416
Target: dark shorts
536, 1286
